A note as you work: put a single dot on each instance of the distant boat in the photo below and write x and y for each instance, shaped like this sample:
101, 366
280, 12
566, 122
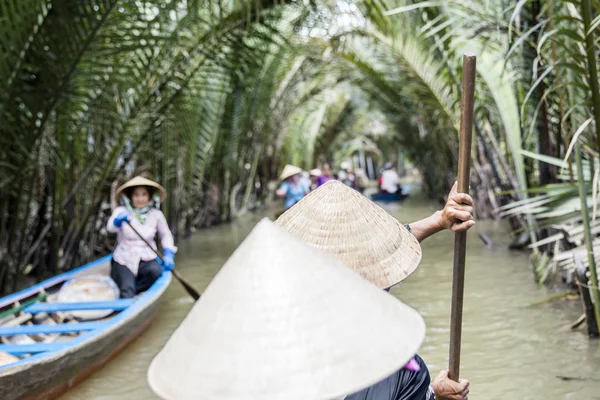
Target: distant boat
56, 356
391, 197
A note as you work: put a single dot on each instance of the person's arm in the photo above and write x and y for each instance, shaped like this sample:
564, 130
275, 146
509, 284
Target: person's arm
117, 218
162, 227
426, 227
457, 216
282, 191
166, 239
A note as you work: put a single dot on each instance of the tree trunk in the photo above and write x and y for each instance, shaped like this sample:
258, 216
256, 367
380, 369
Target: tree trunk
545, 145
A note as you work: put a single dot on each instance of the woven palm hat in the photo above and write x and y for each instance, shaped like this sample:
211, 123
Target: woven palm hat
343, 223
316, 172
141, 181
283, 321
289, 170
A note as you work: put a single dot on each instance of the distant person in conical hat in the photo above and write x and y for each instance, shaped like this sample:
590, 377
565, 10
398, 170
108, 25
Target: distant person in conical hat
283, 321
348, 226
293, 187
134, 266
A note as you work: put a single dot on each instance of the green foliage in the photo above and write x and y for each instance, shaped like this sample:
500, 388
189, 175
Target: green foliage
93, 91
212, 98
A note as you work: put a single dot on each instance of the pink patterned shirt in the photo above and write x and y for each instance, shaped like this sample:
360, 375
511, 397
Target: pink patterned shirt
130, 248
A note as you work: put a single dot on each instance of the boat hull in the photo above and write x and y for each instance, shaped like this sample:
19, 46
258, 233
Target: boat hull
49, 375
388, 197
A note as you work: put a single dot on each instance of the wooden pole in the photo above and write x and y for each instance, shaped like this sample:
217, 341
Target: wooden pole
460, 239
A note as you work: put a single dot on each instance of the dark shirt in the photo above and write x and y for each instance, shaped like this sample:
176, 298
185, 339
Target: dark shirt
401, 385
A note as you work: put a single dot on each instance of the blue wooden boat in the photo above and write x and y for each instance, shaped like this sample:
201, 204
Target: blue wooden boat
388, 197
45, 370
391, 197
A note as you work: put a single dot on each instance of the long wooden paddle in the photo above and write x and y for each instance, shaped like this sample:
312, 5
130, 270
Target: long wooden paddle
188, 288
460, 239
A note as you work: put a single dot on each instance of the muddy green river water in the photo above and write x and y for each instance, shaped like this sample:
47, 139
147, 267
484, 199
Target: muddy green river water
510, 349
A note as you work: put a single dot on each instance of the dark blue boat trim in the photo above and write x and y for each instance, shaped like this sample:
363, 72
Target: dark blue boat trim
116, 305
387, 197
140, 303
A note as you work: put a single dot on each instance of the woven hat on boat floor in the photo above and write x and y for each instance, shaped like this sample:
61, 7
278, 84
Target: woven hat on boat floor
141, 181
282, 320
345, 224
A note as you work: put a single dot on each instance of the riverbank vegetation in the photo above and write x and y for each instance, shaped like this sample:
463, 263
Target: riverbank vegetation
212, 98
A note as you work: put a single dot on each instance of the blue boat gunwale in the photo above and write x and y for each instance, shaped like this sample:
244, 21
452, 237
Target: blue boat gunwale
141, 302
37, 329
41, 307
35, 289
20, 349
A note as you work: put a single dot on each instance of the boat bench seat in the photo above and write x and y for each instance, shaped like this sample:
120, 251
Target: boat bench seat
117, 305
20, 349
60, 328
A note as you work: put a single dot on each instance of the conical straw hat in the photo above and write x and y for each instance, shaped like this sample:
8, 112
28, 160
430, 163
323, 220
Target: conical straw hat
346, 225
289, 170
316, 172
283, 321
141, 181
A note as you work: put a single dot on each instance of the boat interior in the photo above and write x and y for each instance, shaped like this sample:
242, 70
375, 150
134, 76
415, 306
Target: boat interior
58, 312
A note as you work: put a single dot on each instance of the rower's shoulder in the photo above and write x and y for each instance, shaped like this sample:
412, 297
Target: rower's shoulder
119, 209
156, 212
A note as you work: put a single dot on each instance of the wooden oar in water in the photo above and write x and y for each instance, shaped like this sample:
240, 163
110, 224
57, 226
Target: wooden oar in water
188, 288
460, 239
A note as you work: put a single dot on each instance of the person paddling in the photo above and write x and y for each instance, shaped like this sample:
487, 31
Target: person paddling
279, 322
315, 173
390, 179
293, 188
348, 226
134, 266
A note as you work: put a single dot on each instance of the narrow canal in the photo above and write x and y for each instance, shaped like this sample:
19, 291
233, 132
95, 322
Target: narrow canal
511, 350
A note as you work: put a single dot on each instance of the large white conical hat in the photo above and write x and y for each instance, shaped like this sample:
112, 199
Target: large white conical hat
283, 321
345, 224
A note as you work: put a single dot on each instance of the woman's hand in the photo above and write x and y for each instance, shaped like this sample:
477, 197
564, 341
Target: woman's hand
281, 192
457, 214
446, 389
119, 219
168, 260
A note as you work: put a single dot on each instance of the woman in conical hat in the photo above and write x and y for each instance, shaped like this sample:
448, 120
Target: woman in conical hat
283, 321
350, 227
315, 173
293, 188
134, 267
347, 225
